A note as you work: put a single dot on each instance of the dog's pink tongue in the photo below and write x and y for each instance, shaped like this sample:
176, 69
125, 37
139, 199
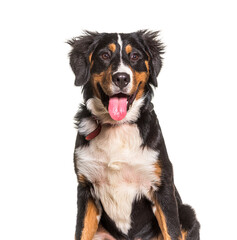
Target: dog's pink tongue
117, 108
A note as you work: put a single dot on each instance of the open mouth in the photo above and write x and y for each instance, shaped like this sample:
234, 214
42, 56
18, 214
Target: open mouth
118, 104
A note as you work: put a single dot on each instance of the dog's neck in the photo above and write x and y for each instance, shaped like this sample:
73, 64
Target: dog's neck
101, 116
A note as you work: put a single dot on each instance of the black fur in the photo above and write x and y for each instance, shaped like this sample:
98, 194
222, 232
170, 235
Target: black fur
155, 49
83, 196
82, 47
144, 223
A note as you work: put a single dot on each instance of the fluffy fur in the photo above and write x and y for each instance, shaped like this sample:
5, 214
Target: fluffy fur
118, 178
126, 188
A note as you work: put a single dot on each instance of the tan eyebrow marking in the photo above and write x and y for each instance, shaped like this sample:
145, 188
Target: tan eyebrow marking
112, 47
128, 48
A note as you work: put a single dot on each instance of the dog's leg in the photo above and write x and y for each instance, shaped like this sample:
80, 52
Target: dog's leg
102, 234
166, 212
189, 223
88, 214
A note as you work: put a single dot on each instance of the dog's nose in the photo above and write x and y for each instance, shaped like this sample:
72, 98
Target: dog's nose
121, 79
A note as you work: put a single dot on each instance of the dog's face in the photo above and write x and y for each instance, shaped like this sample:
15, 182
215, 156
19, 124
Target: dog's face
117, 66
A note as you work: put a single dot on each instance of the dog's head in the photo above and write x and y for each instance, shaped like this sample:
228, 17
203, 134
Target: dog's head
117, 68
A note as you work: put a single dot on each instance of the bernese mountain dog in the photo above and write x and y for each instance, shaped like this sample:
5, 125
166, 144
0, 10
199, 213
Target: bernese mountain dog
126, 187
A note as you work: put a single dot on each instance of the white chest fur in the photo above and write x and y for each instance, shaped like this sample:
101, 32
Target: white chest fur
119, 169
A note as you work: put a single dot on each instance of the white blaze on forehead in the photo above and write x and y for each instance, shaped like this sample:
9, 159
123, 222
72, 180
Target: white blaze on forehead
120, 43
122, 67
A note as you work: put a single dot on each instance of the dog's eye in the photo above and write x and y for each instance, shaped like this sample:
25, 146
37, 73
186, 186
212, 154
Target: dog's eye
134, 56
105, 56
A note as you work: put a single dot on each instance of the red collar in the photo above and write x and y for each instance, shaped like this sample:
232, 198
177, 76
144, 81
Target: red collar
94, 133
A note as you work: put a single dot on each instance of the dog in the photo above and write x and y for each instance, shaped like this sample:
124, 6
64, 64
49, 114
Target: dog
125, 178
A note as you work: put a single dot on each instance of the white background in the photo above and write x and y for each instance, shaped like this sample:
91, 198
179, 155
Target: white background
195, 102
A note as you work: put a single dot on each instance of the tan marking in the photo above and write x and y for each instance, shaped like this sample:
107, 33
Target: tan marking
92, 63
90, 221
81, 179
90, 56
162, 221
128, 49
147, 65
158, 172
112, 47
97, 78
148, 55
105, 81
139, 78
183, 235
160, 237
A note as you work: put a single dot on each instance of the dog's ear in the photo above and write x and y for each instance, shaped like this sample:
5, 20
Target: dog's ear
80, 56
154, 48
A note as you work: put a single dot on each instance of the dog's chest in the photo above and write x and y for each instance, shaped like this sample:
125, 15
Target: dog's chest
119, 169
